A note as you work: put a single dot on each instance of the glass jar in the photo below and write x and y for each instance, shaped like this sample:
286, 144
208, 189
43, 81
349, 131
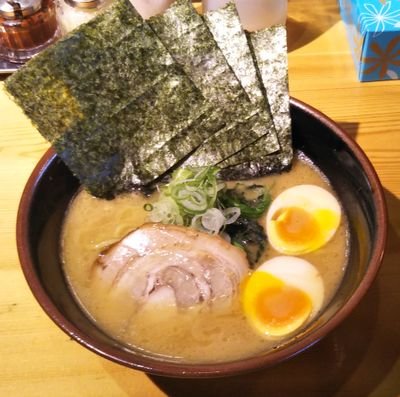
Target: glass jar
72, 13
149, 8
254, 14
26, 27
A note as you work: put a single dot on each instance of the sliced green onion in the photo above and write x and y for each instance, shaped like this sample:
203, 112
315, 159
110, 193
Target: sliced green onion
213, 220
148, 207
231, 215
194, 190
166, 211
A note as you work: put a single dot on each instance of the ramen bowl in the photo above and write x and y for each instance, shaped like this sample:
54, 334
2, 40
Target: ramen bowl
51, 187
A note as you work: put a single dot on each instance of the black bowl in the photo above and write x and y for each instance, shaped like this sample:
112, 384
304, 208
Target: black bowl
51, 187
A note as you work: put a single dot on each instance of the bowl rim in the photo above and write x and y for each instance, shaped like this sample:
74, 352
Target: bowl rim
179, 370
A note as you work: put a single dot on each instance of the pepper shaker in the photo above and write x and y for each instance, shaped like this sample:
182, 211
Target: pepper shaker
26, 27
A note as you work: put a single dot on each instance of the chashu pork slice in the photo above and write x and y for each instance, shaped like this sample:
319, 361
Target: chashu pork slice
172, 265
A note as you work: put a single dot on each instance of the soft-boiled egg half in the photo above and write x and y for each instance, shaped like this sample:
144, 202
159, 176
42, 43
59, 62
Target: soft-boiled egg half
302, 219
281, 295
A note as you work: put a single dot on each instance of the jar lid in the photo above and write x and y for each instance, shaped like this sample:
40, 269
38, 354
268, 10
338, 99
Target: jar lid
17, 9
83, 3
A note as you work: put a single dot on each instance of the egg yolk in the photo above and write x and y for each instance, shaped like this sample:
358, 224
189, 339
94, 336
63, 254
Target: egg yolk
295, 225
299, 231
273, 307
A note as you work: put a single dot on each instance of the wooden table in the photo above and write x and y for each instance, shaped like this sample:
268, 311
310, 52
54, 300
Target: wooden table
360, 358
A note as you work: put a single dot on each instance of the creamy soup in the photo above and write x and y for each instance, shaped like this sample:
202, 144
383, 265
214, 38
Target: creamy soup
197, 334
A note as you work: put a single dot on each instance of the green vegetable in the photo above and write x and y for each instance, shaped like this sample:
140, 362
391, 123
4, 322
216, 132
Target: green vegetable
246, 232
165, 211
252, 200
194, 197
248, 235
192, 190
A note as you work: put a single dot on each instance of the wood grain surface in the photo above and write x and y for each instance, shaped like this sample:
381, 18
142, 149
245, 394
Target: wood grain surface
360, 358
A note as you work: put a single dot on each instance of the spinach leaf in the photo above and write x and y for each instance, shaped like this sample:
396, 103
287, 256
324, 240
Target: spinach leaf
249, 235
252, 200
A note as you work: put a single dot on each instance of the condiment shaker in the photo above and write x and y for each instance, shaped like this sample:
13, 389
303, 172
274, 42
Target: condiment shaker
72, 13
254, 14
26, 27
149, 8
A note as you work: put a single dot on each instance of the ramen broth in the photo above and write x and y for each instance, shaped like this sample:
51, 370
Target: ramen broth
198, 334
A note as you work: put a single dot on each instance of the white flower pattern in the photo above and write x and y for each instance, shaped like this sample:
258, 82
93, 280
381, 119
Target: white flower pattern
392, 74
377, 19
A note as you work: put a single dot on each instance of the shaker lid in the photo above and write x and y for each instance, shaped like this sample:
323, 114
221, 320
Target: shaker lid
17, 9
83, 3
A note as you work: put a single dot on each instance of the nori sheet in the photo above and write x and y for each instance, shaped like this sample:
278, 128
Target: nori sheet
188, 39
182, 145
226, 28
268, 144
161, 113
92, 72
251, 129
98, 170
120, 110
270, 51
110, 89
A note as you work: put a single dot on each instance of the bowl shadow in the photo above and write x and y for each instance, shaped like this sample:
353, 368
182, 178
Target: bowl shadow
308, 20
350, 127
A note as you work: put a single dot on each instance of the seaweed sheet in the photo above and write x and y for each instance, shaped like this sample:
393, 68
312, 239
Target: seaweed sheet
106, 97
270, 52
227, 30
76, 78
182, 145
267, 145
236, 140
103, 96
253, 129
188, 38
